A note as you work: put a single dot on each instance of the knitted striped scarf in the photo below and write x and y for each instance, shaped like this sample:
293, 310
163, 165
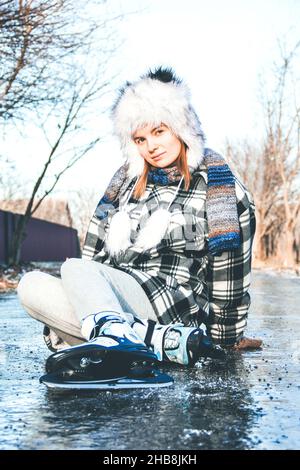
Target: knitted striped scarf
221, 206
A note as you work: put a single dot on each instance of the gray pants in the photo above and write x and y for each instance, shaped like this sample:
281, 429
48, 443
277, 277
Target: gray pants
86, 287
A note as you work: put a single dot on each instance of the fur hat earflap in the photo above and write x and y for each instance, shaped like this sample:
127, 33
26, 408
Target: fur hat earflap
157, 97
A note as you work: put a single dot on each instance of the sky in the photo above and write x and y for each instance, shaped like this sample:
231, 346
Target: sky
219, 48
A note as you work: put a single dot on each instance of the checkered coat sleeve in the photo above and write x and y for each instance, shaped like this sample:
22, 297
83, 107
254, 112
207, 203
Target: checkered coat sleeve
228, 278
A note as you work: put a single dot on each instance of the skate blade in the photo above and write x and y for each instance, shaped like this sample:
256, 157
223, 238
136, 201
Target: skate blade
55, 382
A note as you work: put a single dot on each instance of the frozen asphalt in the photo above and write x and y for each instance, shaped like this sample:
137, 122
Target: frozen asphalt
249, 401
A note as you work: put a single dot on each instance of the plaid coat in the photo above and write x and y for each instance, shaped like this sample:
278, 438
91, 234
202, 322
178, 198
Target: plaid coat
182, 280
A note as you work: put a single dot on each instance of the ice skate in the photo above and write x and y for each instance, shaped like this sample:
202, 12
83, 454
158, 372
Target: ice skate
178, 343
114, 358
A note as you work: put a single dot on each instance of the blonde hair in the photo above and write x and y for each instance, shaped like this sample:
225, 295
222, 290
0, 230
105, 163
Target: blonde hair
182, 166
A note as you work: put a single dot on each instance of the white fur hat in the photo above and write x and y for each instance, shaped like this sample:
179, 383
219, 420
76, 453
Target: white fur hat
157, 97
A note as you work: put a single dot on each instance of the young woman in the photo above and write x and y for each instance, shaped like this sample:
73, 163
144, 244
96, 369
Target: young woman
167, 257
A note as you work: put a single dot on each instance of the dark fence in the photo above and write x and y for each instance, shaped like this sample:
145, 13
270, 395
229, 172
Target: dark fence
45, 241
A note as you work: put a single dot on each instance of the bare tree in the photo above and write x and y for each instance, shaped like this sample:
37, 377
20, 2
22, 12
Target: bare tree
68, 130
37, 37
282, 150
257, 170
51, 76
271, 170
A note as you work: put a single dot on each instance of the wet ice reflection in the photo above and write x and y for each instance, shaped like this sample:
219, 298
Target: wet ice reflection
249, 401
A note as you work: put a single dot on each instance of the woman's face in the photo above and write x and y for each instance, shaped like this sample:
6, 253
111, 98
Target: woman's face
157, 145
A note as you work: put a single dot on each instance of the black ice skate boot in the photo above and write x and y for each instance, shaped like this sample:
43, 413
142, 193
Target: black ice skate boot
113, 358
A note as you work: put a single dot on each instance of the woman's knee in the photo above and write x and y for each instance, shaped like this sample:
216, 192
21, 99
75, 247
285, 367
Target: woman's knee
75, 265
27, 285
70, 265
35, 285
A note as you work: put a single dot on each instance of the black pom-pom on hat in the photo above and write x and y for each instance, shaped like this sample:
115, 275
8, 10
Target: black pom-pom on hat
163, 74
